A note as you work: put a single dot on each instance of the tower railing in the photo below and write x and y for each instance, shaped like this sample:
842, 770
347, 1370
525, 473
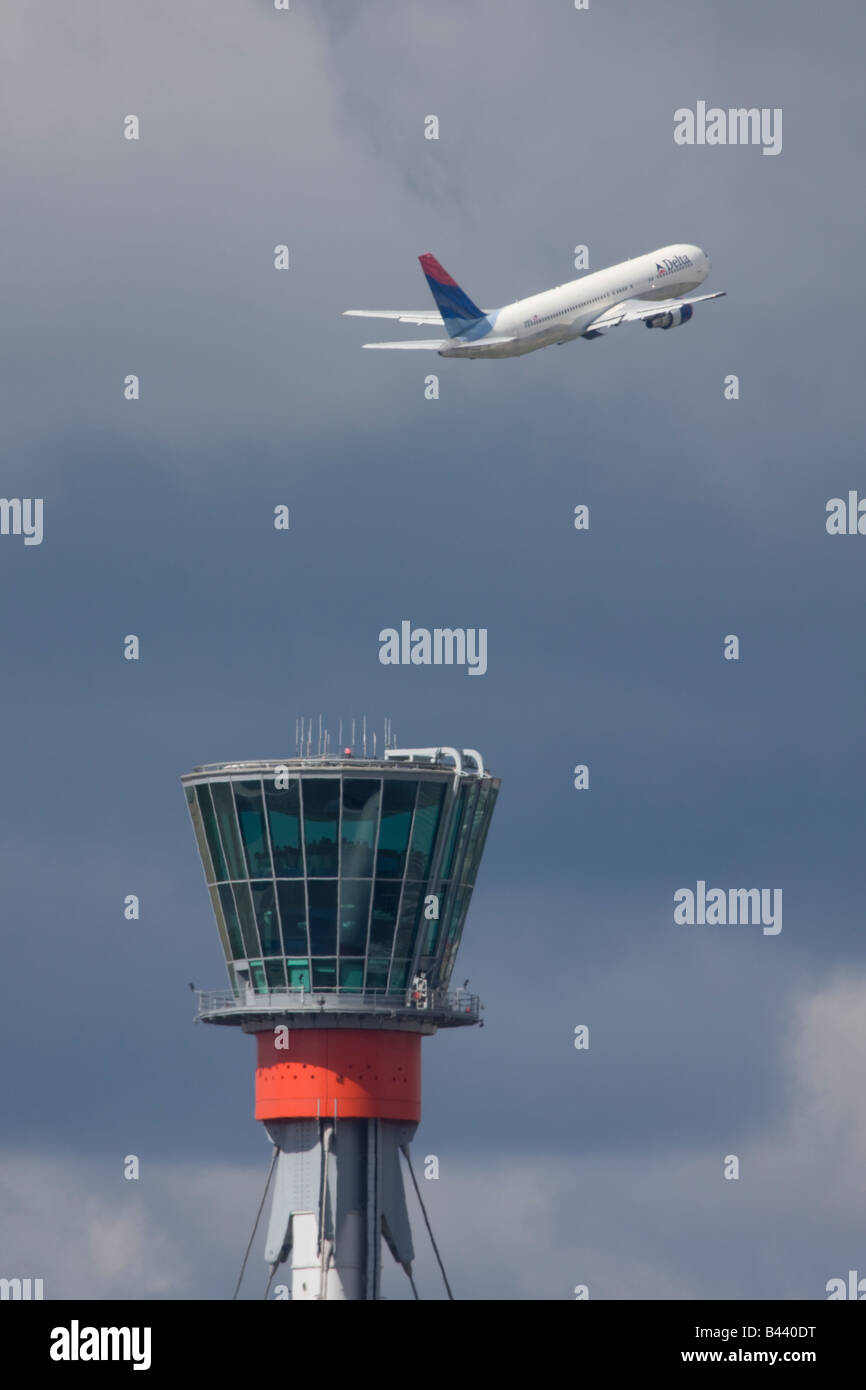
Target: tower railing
458, 1004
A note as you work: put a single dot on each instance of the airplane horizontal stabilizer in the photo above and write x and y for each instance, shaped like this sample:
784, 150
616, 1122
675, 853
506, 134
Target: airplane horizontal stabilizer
432, 344
429, 316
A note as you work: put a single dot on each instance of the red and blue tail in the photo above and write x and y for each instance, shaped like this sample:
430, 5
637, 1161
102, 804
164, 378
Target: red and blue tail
457, 310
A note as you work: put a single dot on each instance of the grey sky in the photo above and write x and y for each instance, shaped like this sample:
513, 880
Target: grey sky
605, 647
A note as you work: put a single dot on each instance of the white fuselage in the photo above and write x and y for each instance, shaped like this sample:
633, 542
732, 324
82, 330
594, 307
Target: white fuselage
566, 312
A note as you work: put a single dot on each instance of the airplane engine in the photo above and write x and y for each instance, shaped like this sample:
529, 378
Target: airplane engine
672, 318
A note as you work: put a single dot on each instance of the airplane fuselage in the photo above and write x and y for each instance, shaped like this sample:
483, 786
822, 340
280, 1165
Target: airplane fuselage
566, 312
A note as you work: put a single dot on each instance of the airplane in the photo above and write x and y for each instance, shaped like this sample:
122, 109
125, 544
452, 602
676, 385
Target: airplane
655, 289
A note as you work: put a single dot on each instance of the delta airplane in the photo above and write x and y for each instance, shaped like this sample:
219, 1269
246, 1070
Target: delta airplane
655, 289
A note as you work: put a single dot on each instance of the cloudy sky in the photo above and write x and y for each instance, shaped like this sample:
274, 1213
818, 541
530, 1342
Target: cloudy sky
707, 518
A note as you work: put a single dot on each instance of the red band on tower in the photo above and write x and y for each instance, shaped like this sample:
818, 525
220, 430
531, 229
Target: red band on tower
367, 1074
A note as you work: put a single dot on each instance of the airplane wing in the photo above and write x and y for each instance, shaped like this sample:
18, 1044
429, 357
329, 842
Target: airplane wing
428, 316
636, 310
429, 343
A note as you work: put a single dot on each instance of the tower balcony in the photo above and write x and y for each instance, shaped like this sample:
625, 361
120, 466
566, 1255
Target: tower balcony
298, 1008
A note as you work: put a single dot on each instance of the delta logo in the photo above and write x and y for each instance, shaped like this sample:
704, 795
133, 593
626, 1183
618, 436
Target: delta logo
667, 266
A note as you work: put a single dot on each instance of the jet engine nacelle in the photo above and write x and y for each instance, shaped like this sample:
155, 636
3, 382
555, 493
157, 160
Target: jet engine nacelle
672, 318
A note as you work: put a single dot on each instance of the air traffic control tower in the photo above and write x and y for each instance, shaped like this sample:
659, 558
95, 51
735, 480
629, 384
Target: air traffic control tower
340, 886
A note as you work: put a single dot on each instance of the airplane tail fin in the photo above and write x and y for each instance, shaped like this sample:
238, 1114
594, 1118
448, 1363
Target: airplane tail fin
457, 310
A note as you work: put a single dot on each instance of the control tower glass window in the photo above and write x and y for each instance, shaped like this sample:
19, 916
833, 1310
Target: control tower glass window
354, 915
265, 907
478, 833
292, 899
284, 824
224, 807
321, 803
213, 840
323, 916
453, 833
233, 926
398, 804
383, 919
359, 824
244, 904
428, 809
251, 819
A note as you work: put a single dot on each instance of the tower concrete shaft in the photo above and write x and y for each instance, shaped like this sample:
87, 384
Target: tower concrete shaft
338, 1190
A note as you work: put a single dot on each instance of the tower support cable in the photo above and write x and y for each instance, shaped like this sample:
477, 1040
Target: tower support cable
256, 1223
405, 1151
